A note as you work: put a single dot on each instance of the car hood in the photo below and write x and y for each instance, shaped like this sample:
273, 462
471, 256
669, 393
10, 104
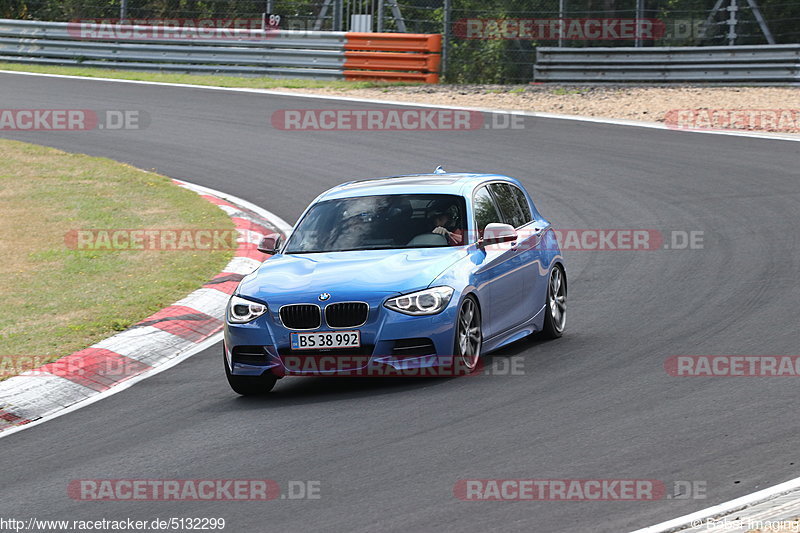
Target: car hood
349, 273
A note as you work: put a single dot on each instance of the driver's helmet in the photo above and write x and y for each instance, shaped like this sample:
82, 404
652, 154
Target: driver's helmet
443, 207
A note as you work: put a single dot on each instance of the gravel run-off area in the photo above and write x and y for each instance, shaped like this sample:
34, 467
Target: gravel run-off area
770, 109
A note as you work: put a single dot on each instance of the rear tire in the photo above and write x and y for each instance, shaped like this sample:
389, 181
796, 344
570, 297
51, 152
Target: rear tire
249, 385
555, 309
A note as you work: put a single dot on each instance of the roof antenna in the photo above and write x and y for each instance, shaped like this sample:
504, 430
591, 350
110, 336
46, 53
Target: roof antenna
439, 170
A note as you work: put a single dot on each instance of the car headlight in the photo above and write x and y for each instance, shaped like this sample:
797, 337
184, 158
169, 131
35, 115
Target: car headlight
425, 302
241, 310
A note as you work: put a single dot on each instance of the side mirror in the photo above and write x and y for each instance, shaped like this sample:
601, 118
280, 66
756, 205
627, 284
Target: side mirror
495, 233
270, 244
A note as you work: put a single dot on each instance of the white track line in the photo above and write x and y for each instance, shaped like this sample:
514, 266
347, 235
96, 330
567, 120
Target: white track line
119, 387
577, 118
738, 504
279, 223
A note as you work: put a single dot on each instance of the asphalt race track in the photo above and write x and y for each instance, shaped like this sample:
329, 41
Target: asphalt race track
595, 404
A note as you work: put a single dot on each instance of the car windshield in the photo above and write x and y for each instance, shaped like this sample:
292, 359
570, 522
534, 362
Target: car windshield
381, 222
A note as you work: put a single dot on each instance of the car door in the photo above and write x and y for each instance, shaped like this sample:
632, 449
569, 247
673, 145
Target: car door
499, 270
516, 210
520, 306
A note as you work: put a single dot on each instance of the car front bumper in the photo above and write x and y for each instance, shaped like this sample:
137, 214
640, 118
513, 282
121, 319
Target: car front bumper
392, 343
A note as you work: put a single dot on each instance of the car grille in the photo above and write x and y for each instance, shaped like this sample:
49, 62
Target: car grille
346, 314
300, 316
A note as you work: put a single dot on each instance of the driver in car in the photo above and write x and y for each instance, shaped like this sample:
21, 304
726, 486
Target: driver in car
441, 219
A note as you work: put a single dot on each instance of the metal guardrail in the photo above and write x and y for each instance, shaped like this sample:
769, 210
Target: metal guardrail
763, 64
274, 53
32, 29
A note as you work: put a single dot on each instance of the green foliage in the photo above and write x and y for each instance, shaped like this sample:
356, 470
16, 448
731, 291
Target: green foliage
491, 60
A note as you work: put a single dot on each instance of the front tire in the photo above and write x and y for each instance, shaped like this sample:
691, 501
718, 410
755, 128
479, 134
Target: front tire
249, 385
555, 313
469, 336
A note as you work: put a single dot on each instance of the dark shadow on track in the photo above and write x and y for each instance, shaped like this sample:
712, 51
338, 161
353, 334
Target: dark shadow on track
301, 390
304, 390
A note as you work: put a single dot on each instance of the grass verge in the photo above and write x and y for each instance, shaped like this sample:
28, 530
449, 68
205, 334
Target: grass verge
199, 79
58, 299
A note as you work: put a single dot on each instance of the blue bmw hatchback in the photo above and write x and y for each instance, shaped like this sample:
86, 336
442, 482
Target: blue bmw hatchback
396, 274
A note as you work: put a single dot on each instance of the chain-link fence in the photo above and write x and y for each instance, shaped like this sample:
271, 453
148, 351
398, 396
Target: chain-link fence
497, 44
485, 41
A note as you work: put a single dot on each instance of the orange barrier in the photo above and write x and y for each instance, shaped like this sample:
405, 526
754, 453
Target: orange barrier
394, 42
392, 56
392, 61
375, 75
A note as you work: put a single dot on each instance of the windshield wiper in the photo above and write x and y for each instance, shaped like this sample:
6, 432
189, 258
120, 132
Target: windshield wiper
381, 247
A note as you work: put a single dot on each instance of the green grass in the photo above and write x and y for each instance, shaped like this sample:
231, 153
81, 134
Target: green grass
58, 299
197, 79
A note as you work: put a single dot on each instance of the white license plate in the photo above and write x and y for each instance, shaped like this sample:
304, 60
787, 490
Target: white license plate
321, 340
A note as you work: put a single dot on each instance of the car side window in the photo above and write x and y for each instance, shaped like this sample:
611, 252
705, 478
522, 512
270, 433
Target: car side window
485, 210
509, 207
522, 200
